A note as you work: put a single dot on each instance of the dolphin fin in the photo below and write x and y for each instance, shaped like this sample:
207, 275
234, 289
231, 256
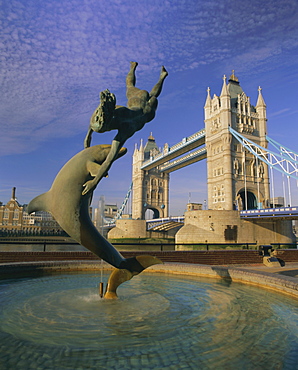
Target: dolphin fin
147, 261
39, 203
119, 276
139, 263
93, 168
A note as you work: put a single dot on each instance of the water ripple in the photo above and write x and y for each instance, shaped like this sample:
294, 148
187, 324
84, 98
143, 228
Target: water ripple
160, 321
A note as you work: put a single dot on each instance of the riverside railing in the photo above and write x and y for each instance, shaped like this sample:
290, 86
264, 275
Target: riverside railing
45, 245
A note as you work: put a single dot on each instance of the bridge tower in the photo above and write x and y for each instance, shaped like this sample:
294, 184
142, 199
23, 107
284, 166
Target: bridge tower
150, 188
236, 179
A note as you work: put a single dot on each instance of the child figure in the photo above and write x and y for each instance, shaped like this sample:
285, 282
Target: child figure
141, 108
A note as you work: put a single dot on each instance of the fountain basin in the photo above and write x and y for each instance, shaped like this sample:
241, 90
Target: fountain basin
54, 319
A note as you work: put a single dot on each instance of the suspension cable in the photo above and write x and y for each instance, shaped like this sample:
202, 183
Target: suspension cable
258, 183
245, 189
272, 186
289, 189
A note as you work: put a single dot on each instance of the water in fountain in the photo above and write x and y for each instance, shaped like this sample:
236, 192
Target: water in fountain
159, 321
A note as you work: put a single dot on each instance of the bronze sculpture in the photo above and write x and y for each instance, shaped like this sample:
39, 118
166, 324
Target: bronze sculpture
141, 108
71, 210
71, 193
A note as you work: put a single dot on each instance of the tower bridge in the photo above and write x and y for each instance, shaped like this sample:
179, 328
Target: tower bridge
185, 145
235, 144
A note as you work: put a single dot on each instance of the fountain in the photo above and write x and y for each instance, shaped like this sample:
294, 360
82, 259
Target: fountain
58, 321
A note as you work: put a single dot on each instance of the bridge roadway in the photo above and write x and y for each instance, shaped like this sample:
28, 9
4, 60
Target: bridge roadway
185, 145
283, 212
165, 223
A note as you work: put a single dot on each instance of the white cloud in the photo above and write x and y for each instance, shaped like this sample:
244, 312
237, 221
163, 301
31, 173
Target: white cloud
280, 112
57, 56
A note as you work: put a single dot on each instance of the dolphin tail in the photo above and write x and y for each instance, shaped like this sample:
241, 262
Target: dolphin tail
119, 276
147, 261
38, 204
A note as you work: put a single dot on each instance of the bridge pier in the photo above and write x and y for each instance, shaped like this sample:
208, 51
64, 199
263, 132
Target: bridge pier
128, 228
212, 226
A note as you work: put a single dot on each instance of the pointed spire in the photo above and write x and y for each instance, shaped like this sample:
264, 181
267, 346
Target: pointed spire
260, 102
141, 145
225, 97
224, 90
208, 99
233, 77
151, 138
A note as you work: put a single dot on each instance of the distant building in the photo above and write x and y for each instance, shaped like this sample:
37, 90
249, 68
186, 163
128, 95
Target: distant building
104, 213
295, 228
110, 211
277, 202
194, 206
14, 220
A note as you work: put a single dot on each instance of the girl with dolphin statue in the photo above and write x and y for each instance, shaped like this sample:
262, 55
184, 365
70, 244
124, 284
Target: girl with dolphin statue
69, 198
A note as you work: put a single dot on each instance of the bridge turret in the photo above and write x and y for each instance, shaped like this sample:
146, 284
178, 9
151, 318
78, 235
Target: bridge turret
208, 105
225, 97
150, 188
261, 112
261, 102
235, 178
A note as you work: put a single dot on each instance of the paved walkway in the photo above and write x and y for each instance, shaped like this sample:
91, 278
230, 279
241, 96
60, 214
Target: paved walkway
290, 269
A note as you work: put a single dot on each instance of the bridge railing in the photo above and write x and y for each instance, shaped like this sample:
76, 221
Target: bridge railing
270, 212
188, 140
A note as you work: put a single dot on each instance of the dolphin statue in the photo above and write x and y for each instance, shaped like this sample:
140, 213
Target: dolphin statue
70, 209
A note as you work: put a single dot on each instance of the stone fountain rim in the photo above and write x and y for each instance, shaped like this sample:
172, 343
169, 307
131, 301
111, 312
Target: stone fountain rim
247, 275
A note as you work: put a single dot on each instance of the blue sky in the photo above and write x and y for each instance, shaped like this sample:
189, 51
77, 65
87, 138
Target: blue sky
56, 56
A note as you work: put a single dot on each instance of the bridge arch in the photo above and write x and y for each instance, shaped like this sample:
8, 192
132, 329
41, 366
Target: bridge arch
246, 199
152, 212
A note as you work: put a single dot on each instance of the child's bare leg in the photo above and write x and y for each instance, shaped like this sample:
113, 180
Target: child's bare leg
87, 140
131, 90
131, 77
158, 87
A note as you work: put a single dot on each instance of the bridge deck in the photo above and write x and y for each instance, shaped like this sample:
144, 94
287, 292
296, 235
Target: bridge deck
165, 223
284, 212
184, 161
184, 146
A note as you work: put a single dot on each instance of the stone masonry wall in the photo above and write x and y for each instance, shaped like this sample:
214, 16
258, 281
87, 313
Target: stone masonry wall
211, 226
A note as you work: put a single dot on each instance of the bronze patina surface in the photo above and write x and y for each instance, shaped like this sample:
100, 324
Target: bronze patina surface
141, 108
69, 198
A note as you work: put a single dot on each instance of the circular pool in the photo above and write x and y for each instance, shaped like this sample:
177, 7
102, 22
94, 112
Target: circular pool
159, 322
